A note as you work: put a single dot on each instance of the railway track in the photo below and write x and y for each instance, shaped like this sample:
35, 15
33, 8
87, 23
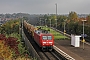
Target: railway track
61, 32
49, 56
43, 55
53, 56
68, 35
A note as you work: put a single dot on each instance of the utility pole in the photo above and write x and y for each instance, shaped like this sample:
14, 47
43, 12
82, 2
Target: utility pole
64, 27
83, 33
40, 21
50, 23
45, 22
56, 15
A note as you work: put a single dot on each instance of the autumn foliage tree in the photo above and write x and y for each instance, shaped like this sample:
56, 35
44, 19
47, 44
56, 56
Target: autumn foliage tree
5, 51
88, 19
9, 47
73, 16
10, 41
9, 27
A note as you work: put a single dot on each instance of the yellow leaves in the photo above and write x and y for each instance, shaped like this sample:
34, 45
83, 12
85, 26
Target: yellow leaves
53, 17
4, 25
17, 23
13, 24
5, 52
22, 58
1, 43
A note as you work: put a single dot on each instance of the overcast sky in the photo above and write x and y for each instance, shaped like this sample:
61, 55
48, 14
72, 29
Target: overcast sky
45, 6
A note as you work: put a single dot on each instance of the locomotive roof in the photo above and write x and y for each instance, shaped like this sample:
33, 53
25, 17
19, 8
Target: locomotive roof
41, 32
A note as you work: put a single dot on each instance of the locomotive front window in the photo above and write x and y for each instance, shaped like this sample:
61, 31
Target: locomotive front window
44, 37
49, 37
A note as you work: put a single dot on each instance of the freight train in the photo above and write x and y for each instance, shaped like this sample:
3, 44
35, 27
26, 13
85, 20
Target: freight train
44, 39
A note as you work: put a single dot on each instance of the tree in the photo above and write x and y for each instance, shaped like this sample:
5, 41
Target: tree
88, 19
9, 27
5, 51
73, 16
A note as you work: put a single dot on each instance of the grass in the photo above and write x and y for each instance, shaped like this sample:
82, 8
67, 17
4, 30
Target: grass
57, 35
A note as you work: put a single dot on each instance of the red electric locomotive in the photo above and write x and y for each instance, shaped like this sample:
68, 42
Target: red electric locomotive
44, 40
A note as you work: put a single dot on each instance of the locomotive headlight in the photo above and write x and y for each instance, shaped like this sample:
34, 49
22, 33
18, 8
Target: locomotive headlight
44, 42
50, 42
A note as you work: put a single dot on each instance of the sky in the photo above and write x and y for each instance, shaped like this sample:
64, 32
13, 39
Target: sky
44, 6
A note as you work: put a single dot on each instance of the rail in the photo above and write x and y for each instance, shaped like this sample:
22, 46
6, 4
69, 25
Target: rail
63, 53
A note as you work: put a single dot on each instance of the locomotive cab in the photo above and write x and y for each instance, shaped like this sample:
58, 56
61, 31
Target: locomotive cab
47, 41
44, 40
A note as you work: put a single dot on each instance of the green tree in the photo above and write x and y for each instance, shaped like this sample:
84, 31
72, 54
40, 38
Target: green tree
10, 27
73, 16
88, 19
